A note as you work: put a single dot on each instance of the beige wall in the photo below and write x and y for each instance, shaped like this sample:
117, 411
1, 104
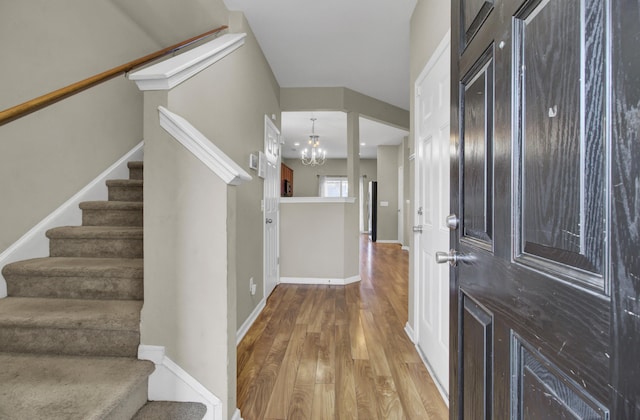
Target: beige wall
430, 22
388, 191
50, 155
342, 99
316, 242
305, 178
235, 124
186, 308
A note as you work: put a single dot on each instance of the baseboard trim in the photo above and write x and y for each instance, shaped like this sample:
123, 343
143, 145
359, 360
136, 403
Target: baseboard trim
169, 382
443, 393
405, 248
319, 281
244, 328
34, 243
408, 329
237, 415
387, 241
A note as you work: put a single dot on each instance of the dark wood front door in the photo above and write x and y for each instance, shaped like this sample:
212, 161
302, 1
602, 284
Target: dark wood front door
545, 165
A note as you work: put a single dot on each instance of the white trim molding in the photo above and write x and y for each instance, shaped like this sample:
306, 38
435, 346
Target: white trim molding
410, 333
443, 393
244, 328
237, 415
175, 70
316, 200
34, 243
319, 281
405, 248
202, 148
169, 382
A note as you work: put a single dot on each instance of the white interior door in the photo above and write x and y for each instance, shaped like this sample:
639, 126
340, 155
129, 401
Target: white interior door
271, 206
432, 208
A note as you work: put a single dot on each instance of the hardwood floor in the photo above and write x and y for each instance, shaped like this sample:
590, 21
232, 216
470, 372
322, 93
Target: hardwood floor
338, 352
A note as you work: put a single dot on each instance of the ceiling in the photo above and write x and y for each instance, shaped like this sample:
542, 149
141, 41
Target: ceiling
362, 45
332, 129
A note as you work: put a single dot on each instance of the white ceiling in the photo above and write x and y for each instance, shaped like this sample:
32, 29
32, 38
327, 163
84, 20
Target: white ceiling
332, 129
359, 44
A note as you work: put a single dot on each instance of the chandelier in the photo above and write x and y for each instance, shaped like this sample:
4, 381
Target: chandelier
313, 155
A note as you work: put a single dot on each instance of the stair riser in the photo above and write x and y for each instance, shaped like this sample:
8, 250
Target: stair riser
112, 218
75, 287
130, 406
99, 248
71, 342
135, 173
122, 193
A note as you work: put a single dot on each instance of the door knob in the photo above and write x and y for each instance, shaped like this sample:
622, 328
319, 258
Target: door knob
453, 221
269, 221
450, 257
417, 228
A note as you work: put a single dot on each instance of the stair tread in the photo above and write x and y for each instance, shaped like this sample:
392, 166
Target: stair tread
125, 183
116, 315
111, 205
171, 410
94, 232
135, 164
75, 266
64, 387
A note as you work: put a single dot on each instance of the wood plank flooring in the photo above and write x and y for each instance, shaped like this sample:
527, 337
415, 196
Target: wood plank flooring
338, 352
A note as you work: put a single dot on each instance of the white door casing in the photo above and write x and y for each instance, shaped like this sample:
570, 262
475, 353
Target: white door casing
431, 209
401, 204
271, 204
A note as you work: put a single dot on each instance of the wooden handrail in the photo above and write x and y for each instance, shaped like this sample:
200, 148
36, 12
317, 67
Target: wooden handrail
50, 98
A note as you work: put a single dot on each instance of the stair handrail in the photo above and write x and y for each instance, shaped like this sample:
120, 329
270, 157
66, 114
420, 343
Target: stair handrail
26, 108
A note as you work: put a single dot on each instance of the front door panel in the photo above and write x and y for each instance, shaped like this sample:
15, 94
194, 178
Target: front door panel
543, 313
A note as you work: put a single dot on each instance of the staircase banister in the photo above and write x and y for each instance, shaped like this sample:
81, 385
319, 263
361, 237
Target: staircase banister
202, 148
26, 108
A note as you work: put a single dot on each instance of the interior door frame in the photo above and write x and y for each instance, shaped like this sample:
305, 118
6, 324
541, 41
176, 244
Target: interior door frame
269, 124
415, 249
401, 221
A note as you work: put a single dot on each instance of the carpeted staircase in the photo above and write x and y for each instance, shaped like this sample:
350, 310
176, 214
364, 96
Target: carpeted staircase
69, 328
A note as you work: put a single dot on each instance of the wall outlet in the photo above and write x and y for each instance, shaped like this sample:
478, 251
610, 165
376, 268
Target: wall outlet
252, 287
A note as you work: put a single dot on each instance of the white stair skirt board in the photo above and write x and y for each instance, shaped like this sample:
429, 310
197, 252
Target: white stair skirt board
443, 393
242, 331
319, 281
35, 244
169, 382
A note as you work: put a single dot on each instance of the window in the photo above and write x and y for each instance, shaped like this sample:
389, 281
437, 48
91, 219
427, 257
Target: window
334, 186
